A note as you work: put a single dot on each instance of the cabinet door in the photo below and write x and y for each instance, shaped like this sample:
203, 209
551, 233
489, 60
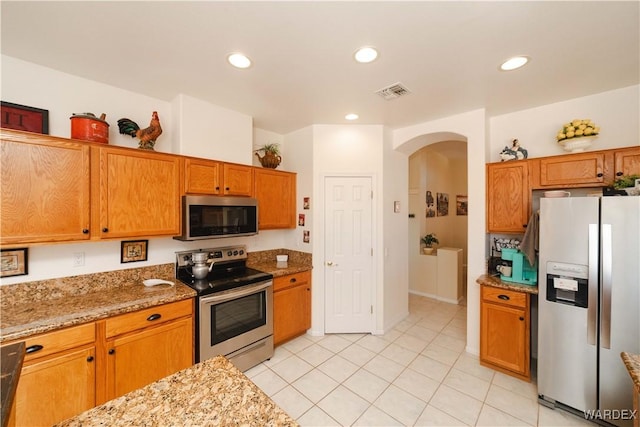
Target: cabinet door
276, 194
53, 389
291, 307
45, 191
237, 180
202, 177
508, 197
140, 358
139, 193
504, 337
627, 162
585, 169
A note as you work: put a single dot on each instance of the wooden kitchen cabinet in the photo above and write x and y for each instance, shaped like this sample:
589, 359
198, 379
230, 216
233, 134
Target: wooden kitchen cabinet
146, 345
508, 197
626, 162
58, 380
291, 306
139, 192
276, 194
45, 189
571, 170
505, 331
237, 180
218, 178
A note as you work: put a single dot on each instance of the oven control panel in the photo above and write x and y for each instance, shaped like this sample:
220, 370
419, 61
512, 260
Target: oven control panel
228, 253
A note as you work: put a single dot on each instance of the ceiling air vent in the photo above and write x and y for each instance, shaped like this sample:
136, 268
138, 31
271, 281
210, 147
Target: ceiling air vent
394, 91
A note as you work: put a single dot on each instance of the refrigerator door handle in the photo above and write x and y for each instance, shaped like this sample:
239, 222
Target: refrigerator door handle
607, 284
593, 284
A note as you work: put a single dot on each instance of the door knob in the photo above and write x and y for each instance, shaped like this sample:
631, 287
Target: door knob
331, 264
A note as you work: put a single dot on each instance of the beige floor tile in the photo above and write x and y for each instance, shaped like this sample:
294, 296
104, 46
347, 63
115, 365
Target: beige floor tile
513, 404
400, 405
492, 417
375, 417
467, 384
558, 418
316, 417
385, 368
433, 417
366, 385
357, 354
291, 368
334, 343
315, 385
344, 405
292, 401
315, 354
441, 354
457, 404
431, 368
399, 354
417, 384
338, 368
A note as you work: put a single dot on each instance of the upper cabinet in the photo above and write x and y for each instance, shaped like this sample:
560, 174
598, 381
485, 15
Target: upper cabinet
217, 178
45, 189
276, 194
508, 197
584, 169
626, 162
139, 192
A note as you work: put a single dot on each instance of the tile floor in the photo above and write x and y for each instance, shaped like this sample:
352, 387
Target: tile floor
418, 374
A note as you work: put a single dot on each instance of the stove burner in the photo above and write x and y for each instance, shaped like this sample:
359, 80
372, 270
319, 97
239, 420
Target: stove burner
229, 270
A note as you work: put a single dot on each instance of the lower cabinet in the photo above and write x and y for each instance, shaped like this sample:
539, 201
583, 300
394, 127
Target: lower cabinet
69, 371
505, 331
291, 306
58, 377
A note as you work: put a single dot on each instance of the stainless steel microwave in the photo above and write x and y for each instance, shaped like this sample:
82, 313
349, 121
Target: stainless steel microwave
211, 217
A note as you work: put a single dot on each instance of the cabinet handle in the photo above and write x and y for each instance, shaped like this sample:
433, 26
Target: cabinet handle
227, 188
599, 175
619, 173
504, 297
308, 289
90, 359
85, 231
521, 318
105, 230
292, 280
33, 348
153, 317
112, 350
217, 188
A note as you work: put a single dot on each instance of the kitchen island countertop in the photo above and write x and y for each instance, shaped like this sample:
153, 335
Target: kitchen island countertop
487, 280
632, 363
213, 392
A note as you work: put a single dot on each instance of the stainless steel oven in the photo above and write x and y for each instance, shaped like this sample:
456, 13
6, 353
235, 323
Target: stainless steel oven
238, 323
234, 309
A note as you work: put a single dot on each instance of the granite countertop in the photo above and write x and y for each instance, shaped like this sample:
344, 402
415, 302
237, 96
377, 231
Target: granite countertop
44, 306
213, 392
632, 363
11, 359
488, 280
266, 261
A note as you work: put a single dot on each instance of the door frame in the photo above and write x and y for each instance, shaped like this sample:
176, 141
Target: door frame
318, 245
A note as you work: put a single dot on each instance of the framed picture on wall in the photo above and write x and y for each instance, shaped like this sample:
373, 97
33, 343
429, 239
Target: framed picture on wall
443, 204
22, 117
14, 262
461, 205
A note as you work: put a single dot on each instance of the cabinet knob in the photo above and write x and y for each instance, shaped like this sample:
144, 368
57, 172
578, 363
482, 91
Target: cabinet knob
33, 348
599, 175
292, 280
227, 188
153, 317
90, 359
105, 230
504, 297
112, 350
619, 174
521, 318
217, 188
85, 231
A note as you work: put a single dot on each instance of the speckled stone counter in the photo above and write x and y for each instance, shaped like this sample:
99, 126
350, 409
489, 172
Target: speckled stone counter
487, 280
632, 363
213, 392
43, 306
266, 261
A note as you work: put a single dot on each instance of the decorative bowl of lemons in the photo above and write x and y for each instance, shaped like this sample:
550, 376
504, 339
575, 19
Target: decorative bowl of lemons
577, 135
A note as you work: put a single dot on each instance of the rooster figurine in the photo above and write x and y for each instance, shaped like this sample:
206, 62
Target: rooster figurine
146, 136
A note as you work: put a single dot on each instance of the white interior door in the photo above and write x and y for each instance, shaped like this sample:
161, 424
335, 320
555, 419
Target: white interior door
348, 255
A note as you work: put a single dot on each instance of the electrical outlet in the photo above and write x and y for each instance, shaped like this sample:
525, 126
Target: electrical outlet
78, 259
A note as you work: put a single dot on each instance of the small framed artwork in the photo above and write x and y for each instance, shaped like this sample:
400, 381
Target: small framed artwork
305, 203
133, 251
14, 262
22, 117
301, 220
305, 236
442, 204
461, 205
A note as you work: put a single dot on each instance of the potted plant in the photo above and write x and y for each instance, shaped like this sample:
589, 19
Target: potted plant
429, 240
271, 158
627, 184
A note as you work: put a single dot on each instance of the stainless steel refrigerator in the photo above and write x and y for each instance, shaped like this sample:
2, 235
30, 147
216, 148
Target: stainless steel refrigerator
588, 304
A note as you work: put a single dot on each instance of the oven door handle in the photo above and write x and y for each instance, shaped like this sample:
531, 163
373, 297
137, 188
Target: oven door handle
235, 295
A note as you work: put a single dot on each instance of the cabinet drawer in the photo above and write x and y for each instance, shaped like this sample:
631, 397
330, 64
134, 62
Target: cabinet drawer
148, 317
504, 296
284, 282
54, 342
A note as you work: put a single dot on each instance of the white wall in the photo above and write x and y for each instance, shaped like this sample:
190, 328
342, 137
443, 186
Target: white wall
472, 126
617, 112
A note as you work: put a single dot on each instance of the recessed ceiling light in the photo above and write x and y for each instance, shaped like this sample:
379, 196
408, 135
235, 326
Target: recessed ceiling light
351, 116
239, 60
514, 63
366, 54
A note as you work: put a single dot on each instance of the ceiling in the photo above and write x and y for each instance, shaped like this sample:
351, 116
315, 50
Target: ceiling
446, 53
